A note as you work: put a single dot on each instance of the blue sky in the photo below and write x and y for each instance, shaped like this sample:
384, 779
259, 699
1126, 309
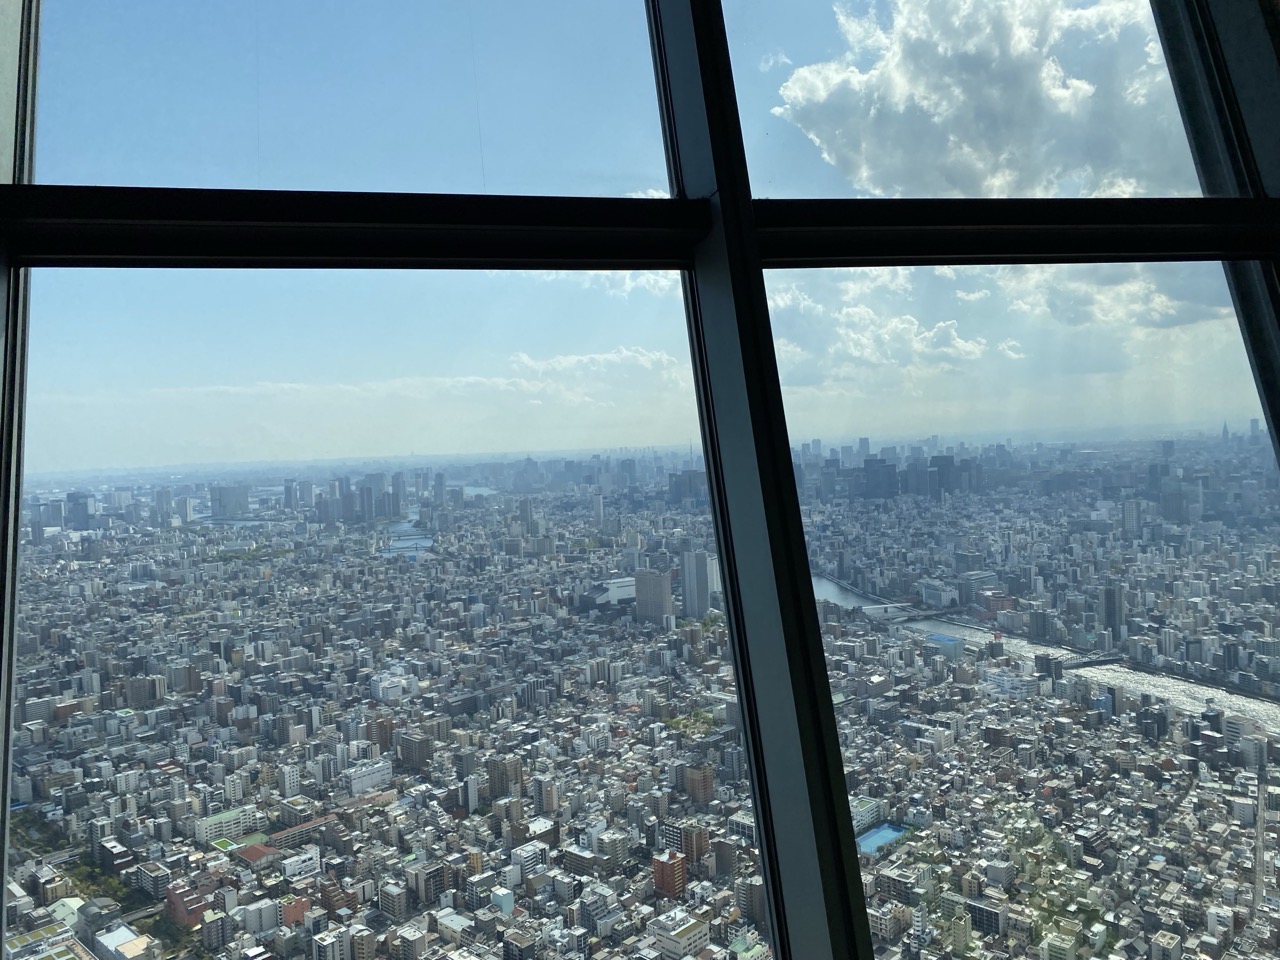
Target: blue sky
895, 98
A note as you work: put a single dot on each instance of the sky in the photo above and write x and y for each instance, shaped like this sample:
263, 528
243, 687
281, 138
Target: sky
896, 98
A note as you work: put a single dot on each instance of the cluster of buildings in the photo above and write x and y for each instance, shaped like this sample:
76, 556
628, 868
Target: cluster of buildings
1041, 806
384, 716
490, 711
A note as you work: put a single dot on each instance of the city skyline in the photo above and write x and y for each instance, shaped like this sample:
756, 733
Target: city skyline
1209, 430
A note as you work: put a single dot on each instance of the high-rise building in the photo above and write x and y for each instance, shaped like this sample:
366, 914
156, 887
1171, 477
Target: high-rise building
653, 596
1113, 610
416, 750
669, 874
695, 579
228, 499
700, 784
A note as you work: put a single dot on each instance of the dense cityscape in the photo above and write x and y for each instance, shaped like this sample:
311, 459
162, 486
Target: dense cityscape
488, 709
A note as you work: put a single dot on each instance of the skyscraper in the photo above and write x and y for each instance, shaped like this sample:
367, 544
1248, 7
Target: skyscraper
696, 580
1113, 612
653, 596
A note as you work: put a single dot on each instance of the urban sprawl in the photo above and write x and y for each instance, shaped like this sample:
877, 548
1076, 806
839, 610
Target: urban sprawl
488, 711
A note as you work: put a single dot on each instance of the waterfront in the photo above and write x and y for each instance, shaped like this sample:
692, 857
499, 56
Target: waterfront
1184, 695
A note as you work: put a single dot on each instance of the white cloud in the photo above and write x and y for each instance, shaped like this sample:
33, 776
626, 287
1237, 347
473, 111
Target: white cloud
970, 297
650, 193
902, 341
1011, 349
775, 59
1017, 97
597, 362
1047, 349
622, 283
559, 401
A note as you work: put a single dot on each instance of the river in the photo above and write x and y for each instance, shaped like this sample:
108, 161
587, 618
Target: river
1183, 695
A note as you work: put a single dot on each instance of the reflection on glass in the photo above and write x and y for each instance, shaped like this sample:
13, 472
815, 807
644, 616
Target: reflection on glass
372, 610
477, 97
948, 98
1041, 509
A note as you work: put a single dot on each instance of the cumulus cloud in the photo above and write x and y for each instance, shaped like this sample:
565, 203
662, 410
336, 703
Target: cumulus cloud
1015, 98
971, 296
1119, 295
1048, 348
902, 341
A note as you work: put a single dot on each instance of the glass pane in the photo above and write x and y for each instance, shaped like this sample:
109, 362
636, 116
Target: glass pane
476, 97
1041, 510
360, 605
948, 98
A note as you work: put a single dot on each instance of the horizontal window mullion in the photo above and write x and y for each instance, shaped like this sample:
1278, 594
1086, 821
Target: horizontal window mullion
124, 226
826, 233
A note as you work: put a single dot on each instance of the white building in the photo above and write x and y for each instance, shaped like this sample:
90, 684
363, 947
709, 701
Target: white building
677, 934
367, 775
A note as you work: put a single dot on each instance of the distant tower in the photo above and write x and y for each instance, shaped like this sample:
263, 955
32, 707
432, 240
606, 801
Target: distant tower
1226, 434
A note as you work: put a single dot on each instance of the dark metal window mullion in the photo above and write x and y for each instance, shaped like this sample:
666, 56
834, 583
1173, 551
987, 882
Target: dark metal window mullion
802, 813
1227, 83
19, 21
13, 363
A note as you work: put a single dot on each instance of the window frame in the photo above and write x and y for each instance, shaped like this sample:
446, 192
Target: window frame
722, 240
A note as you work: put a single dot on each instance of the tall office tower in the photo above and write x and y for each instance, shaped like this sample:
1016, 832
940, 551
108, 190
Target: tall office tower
438, 492
228, 499
1131, 517
864, 447
696, 579
597, 510
627, 472
526, 514
399, 494
306, 494
653, 596
1113, 612
291, 494
82, 510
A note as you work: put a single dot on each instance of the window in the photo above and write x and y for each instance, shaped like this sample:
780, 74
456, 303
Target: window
772, 524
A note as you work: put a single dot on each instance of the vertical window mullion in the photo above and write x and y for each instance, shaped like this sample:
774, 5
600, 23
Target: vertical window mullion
807, 843
17, 76
1227, 81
